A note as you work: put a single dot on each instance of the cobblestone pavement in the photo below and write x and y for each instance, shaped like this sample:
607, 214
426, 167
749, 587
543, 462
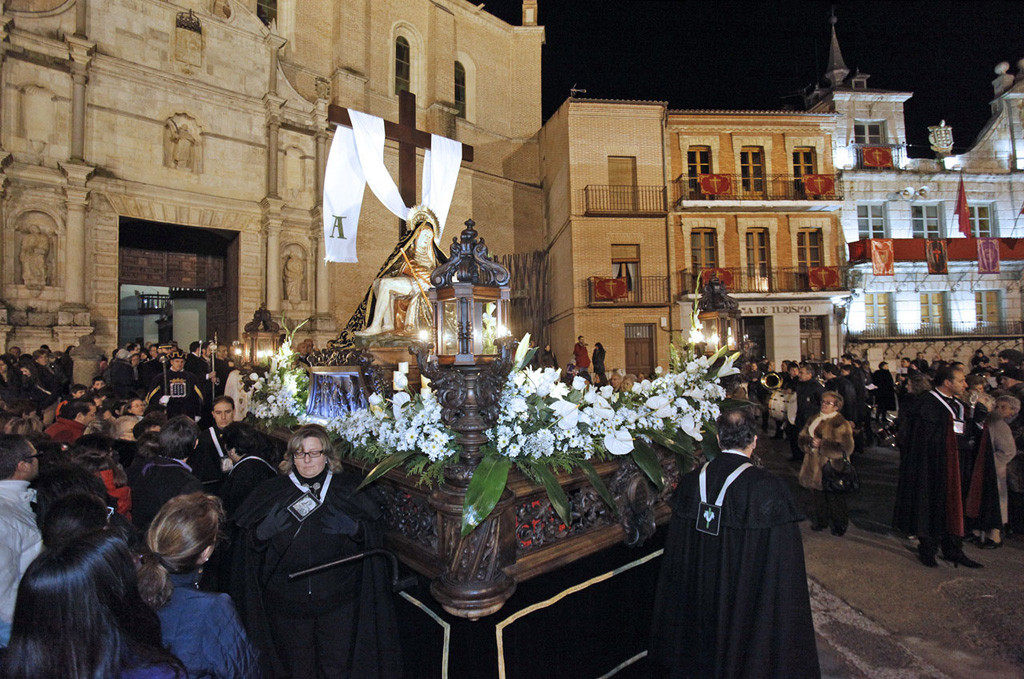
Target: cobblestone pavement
880, 614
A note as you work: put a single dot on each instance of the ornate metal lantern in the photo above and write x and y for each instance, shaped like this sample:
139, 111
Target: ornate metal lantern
467, 364
720, 316
470, 297
262, 337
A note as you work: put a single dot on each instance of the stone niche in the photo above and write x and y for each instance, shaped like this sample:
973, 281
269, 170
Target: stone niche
35, 251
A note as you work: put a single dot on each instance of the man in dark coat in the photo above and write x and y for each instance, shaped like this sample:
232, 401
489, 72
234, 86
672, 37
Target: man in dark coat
165, 475
210, 460
885, 391
732, 598
182, 395
808, 404
929, 501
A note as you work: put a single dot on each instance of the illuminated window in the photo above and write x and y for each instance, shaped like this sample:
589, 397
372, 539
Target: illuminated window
403, 65
460, 90
982, 225
266, 10
698, 162
757, 259
869, 132
876, 309
871, 221
808, 248
703, 249
626, 264
926, 221
986, 307
933, 308
752, 169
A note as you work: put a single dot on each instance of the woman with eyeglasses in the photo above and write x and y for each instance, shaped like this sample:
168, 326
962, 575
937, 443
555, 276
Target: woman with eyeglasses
337, 622
827, 438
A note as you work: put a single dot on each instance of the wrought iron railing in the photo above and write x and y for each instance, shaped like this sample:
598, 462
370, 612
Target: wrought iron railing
867, 159
624, 201
622, 292
769, 187
943, 329
151, 303
758, 279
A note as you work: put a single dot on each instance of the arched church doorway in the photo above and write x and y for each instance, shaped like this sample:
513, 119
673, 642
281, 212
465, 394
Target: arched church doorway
176, 283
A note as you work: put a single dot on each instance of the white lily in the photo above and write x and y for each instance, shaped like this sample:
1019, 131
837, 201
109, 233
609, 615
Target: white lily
399, 402
690, 426
727, 366
662, 407
606, 391
558, 390
568, 414
578, 383
618, 442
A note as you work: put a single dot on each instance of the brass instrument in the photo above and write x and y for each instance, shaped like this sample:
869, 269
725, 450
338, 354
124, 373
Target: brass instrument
772, 381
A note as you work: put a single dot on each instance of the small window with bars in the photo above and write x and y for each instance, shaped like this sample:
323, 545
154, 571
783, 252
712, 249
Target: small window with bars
460, 90
266, 11
403, 65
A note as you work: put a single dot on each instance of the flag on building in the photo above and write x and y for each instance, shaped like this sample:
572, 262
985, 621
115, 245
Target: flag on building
937, 255
883, 257
988, 255
961, 212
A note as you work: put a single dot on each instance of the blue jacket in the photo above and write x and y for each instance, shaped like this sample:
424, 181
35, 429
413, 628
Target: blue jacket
203, 630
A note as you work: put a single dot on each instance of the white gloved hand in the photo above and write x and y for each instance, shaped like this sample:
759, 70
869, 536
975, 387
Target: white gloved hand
164, 400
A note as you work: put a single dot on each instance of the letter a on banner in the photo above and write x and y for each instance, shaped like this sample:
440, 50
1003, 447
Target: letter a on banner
344, 185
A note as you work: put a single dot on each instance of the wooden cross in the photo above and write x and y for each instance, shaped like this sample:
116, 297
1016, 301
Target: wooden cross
409, 139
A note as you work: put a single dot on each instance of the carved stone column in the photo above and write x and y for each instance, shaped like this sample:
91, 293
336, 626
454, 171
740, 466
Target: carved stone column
272, 104
74, 256
80, 51
272, 221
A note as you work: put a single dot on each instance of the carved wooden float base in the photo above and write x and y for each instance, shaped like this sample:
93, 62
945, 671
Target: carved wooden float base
522, 538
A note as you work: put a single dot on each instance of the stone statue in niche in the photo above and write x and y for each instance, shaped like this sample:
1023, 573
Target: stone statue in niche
182, 150
294, 277
34, 254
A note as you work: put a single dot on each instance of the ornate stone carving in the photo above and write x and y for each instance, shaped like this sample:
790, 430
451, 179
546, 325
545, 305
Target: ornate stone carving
221, 8
323, 88
183, 149
293, 274
35, 251
188, 42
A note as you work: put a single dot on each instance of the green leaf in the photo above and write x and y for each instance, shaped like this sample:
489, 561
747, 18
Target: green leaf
556, 494
710, 441
647, 460
598, 483
484, 491
386, 465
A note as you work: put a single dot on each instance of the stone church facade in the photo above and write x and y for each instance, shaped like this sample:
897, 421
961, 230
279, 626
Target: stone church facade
212, 114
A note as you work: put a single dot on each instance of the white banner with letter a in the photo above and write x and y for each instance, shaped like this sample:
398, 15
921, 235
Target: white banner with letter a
357, 158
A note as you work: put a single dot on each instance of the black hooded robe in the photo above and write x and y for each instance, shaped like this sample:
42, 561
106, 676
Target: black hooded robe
376, 651
736, 604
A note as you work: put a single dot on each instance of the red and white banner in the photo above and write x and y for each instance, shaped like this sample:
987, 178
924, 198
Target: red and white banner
714, 184
883, 259
610, 289
818, 184
823, 277
876, 156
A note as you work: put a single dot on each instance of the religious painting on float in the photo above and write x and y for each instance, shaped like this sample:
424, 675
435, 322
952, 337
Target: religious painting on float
336, 391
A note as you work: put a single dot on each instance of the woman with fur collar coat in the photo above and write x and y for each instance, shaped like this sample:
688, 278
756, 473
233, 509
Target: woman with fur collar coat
826, 437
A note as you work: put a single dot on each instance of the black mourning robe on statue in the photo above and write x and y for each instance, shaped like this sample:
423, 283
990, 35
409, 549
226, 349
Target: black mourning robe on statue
376, 653
929, 503
734, 605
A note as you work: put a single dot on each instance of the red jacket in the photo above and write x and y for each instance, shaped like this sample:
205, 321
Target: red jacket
580, 357
123, 494
65, 431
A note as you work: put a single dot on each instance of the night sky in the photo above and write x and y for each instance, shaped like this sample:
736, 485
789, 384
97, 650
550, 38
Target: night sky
760, 55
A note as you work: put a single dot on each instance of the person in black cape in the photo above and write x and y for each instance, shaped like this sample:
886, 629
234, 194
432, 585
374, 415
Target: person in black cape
734, 604
929, 500
336, 623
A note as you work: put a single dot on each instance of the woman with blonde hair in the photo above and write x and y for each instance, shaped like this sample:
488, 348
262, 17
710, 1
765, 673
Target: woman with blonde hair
827, 438
334, 623
200, 628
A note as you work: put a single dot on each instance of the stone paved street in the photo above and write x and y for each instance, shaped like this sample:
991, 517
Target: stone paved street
880, 614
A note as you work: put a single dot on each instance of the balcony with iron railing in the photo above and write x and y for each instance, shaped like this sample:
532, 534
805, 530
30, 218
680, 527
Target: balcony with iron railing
734, 187
878, 156
894, 330
643, 291
764, 280
624, 201
148, 304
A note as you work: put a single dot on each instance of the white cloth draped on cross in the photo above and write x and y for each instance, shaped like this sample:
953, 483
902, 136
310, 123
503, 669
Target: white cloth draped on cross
357, 159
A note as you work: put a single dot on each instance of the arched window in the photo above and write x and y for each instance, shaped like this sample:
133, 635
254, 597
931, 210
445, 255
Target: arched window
266, 10
403, 65
460, 89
